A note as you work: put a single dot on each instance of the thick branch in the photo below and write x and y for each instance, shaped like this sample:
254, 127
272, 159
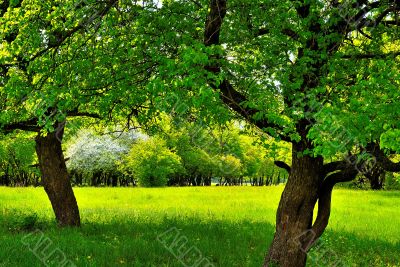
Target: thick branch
229, 95
32, 126
340, 165
388, 165
29, 125
282, 165
391, 23
334, 166
366, 10
325, 197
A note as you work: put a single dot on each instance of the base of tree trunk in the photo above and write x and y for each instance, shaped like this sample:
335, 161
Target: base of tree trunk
55, 179
295, 213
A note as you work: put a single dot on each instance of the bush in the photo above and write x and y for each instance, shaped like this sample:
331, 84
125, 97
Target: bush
152, 163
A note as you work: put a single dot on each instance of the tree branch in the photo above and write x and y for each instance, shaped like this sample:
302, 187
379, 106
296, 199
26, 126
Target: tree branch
389, 165
340, 165
83, 114
230, 97
366, 10
288, 32
62, 36
65, 35
391, 23
325, 197
283, 165
386, 163
29, 125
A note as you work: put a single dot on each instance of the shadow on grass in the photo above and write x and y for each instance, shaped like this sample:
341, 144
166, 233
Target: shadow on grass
134, 242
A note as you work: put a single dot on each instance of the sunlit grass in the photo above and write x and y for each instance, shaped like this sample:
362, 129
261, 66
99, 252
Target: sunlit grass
232, 226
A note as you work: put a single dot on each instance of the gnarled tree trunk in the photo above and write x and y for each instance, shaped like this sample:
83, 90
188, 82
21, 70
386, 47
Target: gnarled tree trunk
295, 212
55, 178
309, 181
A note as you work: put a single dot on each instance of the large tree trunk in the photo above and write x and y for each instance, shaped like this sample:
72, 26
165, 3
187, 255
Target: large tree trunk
309, 180
55, 178
295, 212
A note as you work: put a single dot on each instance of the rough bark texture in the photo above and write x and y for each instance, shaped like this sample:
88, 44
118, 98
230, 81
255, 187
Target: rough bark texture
295, 212
376, 177
55, 179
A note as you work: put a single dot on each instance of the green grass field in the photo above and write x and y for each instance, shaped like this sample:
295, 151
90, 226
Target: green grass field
230, 226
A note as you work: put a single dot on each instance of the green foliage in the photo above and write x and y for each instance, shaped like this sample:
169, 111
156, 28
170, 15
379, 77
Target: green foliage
197, 162
391, 140
151, 59
229, 167
230, 151
17, 160
152, 163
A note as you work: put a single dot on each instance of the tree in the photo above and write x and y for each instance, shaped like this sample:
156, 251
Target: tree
306, 72
152, 163
319, 44
36, 94
229, 168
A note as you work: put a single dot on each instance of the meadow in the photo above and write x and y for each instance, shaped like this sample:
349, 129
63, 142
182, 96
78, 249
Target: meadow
229, 226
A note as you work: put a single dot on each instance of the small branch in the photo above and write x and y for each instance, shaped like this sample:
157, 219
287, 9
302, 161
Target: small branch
288, 32
197, 3
63, 36
83, 114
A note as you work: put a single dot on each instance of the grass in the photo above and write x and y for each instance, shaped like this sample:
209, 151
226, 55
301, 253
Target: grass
231, 226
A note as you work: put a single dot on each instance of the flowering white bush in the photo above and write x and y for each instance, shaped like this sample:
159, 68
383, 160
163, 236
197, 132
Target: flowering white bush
91, 153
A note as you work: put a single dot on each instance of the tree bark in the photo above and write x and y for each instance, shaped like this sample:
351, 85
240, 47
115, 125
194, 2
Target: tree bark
376, 177
295, 212
309, 181
55, 178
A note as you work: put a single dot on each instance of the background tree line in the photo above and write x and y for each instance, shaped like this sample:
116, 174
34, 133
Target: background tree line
176, 154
